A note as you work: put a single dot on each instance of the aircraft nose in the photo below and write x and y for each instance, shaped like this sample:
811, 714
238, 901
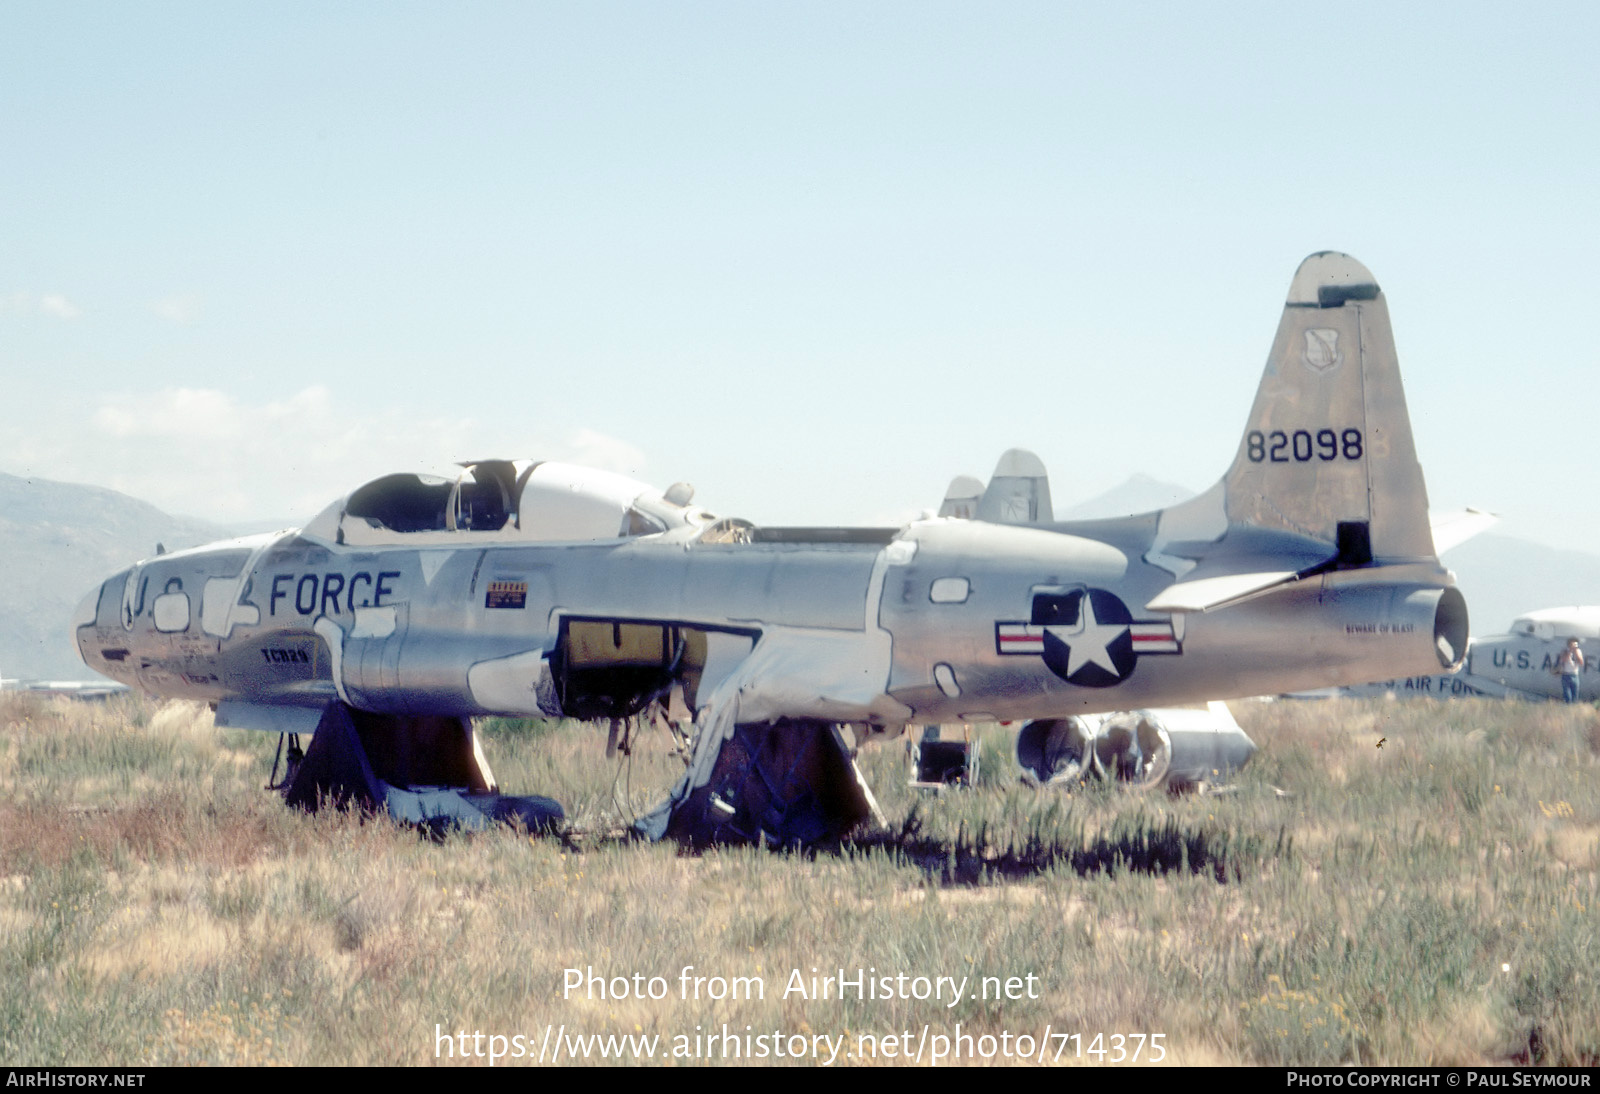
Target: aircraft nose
87, 610
83, 616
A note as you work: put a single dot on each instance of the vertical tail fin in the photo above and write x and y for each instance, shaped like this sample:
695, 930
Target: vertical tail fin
1328, 452
1018, 492
961, 499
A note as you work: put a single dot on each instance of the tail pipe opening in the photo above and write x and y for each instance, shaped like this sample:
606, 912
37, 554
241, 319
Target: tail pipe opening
1133, 747
1130, 747
1450, 629
1055, 751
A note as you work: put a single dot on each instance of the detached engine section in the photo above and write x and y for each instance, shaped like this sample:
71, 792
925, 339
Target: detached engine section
1178, 747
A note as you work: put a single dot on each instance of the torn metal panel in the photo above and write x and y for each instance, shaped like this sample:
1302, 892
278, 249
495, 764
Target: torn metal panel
774, 783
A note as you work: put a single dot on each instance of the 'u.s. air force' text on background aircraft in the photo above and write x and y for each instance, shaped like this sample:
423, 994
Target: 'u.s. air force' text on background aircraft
1523, 664
415, 604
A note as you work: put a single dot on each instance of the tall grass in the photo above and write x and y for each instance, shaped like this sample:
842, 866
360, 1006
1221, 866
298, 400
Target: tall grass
1429, 901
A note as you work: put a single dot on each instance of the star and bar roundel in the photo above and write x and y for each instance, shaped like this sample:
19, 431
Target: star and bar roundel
1086, 636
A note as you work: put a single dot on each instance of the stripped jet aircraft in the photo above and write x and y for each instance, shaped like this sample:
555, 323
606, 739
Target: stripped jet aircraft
415, 604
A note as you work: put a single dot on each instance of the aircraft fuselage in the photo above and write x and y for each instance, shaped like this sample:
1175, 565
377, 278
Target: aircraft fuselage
947, 620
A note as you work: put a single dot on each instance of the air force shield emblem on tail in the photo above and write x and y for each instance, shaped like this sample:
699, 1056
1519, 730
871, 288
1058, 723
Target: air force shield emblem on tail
1086, 636
1322, 349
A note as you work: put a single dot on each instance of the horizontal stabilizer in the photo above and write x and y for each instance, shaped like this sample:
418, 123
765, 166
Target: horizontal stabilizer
1215, 592
1454, 529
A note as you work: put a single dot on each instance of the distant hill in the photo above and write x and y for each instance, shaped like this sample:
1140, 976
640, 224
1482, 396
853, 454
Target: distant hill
58, 541
1503, 578
1139, 494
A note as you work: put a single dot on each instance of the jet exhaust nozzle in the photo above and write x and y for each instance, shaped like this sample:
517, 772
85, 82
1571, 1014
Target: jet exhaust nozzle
1055, 751
1450, 628
1178, 747
1133, 747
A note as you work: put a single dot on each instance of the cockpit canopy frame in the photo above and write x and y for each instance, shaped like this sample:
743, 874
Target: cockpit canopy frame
521, 501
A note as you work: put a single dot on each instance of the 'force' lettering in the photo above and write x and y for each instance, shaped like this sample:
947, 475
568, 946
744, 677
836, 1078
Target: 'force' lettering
332, 593
355, 579
331, 586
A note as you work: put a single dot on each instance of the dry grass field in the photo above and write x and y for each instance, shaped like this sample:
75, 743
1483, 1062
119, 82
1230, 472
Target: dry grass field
1431, 901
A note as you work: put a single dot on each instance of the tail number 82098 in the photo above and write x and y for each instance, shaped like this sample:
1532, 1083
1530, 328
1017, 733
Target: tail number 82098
1303, 446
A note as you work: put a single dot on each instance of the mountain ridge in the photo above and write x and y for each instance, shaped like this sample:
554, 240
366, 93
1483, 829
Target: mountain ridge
57, 541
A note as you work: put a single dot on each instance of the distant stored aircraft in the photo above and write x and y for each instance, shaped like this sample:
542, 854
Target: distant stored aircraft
1518, 665
415, 604
86, 690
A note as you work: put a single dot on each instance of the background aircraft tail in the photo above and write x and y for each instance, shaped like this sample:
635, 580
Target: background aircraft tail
1327, 452
961, 499
1018, 491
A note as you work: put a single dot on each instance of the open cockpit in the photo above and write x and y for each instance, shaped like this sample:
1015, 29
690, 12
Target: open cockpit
523, 501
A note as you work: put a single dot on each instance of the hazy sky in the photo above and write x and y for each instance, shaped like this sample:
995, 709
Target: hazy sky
814, 258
